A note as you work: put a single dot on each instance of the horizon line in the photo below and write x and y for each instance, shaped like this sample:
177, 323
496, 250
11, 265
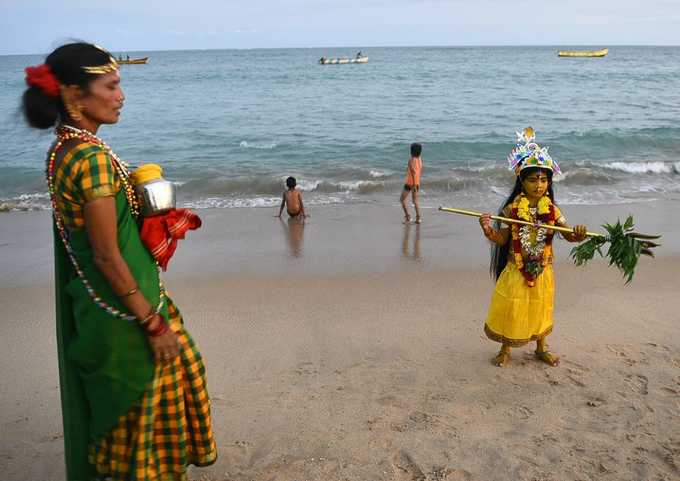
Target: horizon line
610, 45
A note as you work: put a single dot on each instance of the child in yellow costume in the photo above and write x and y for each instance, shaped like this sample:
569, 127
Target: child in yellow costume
522, 303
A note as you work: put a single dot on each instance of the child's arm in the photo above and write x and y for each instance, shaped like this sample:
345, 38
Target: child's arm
578, 232
283, 204
302, 206
499, 236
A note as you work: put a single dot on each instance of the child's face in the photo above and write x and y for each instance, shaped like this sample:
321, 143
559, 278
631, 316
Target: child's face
535, 185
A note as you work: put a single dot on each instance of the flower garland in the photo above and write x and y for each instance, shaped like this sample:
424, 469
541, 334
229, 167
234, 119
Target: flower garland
65, 133
531, 257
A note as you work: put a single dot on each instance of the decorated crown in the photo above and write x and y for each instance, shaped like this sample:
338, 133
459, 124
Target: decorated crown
528, 153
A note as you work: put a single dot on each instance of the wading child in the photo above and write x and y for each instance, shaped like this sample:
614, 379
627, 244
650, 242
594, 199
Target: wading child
292, 200
522, 304
412, 182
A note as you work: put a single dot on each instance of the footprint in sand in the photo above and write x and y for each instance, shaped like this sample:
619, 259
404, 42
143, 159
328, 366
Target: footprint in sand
577, 366
405, 469
448, 474
638, 383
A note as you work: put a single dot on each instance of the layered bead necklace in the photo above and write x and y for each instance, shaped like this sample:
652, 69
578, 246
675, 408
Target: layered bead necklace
65, 133
535, 249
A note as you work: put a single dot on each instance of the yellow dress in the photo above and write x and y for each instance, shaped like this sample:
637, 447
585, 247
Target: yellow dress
519, 314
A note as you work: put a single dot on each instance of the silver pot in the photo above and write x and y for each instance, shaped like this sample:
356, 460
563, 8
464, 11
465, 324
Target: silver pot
156, 197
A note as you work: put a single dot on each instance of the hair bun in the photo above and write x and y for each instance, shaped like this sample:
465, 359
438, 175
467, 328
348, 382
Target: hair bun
40, 110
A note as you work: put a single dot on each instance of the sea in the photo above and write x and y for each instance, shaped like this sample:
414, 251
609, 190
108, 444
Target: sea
228, 126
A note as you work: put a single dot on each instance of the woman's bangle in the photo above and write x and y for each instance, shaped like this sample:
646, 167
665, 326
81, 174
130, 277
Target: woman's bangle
148, 317
159, 330
130, 292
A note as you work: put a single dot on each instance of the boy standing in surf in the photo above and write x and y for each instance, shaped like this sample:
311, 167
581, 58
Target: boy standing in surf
412, 182
292, 200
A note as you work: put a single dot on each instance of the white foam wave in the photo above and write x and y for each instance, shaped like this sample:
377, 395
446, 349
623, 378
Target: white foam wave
254, 202
376, 174
358, 184
224, 203
258, 145
23, 202
644, 167
307, 185
34, 196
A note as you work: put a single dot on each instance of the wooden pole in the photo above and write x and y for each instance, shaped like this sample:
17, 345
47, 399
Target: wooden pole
507, 220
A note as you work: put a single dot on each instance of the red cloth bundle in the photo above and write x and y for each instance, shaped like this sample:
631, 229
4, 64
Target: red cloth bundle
160, 233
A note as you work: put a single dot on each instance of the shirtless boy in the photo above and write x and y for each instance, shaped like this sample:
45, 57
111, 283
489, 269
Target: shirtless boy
292, 200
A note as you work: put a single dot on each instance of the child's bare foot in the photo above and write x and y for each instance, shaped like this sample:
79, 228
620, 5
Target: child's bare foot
502, 358
547, 357
407, 219
418, 220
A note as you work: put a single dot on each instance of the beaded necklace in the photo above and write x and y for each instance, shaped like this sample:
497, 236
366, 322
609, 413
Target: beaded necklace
65, 133
532, 257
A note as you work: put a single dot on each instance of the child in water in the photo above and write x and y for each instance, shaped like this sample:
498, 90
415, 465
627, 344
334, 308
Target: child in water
412, 182
292, 200
522, 304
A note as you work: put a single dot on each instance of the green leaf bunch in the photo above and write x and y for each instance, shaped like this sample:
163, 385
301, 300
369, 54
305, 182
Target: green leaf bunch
624, 249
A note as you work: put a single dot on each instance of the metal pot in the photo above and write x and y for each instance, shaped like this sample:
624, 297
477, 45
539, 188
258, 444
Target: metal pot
156, 197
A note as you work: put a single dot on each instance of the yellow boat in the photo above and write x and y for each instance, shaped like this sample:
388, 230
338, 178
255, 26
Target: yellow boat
132, 61
583, 53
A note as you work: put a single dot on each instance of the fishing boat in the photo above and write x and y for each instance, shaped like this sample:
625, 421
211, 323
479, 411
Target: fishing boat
342, 61
133, 61
583, 53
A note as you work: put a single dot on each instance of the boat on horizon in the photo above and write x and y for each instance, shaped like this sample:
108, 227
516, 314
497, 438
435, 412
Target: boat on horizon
343, 60
132, 61
583, 53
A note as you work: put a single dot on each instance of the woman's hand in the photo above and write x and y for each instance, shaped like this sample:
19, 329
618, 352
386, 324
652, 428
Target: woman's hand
166, 346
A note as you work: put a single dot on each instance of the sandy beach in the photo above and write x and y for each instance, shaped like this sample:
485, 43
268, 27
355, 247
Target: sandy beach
353, 349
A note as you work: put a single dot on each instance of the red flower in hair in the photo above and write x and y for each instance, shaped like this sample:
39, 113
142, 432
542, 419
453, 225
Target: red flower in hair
43, 78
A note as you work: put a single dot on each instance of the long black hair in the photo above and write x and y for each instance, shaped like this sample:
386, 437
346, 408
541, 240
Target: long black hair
499, 253
66, 63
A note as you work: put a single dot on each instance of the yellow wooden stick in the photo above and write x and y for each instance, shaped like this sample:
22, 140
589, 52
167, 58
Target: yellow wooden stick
507, 220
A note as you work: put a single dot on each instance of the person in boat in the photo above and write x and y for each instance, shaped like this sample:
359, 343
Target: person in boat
359, 54
133, 385
322, 60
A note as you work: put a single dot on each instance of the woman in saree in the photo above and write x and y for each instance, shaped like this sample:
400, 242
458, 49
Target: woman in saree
133, 389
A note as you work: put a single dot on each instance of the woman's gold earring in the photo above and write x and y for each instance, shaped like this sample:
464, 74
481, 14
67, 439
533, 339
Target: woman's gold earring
74, 111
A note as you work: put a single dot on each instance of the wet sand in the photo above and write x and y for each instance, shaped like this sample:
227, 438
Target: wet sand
352, 348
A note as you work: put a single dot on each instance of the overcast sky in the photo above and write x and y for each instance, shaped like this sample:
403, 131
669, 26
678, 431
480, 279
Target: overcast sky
37, 26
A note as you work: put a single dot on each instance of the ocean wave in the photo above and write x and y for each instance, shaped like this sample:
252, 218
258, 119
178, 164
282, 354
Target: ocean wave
253, 202
25, 202
645, 167
362, 186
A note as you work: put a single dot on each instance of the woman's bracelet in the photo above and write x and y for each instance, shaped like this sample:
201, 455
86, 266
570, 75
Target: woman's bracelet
159, 330
130, 292
148, 317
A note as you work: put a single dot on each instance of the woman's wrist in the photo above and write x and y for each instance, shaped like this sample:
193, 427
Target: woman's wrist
158, 328
146, 320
